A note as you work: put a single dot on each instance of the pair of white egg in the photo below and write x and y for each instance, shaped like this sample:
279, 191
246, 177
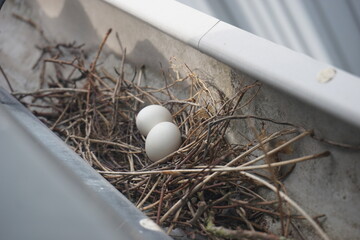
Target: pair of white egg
162, 135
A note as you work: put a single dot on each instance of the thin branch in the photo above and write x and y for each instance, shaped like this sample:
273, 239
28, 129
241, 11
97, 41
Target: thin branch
50, 90
220, 169
237, 234
6, 79
93, 64
291, 202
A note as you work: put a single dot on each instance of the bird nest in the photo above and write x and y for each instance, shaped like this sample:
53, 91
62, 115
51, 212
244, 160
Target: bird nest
209, 187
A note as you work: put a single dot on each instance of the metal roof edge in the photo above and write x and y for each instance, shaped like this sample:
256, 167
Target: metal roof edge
320, 84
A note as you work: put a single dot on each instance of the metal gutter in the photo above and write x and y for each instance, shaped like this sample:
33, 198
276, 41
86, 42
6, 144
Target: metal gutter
319, 84
49, 192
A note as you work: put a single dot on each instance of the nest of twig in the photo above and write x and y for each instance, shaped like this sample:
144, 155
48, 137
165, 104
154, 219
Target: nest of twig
208, 187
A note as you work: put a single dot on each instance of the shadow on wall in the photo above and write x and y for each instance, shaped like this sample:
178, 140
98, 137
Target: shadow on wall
76, 25
72, 19
145, 52
64, 21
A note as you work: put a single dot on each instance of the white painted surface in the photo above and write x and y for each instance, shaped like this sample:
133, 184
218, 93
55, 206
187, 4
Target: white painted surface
328, 30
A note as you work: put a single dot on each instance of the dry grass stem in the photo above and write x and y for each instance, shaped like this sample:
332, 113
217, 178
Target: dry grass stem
292, 203
219, 168
6, 79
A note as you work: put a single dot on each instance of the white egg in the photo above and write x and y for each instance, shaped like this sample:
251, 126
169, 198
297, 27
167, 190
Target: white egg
151, 115
164, 138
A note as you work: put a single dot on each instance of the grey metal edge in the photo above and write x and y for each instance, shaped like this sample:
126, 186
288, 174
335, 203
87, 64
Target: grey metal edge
61, 168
